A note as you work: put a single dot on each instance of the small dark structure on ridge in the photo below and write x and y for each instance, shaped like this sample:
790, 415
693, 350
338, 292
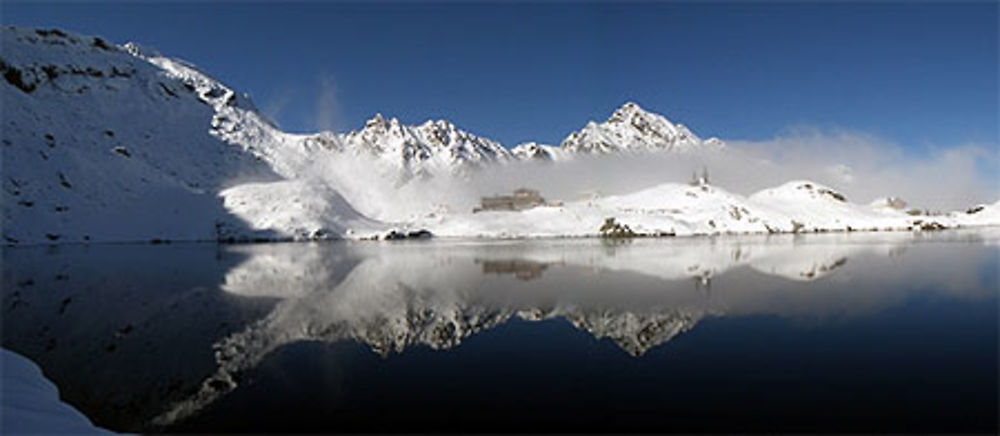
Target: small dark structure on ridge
700, 179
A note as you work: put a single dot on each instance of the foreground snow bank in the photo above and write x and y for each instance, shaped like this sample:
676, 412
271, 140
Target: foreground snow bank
30, 402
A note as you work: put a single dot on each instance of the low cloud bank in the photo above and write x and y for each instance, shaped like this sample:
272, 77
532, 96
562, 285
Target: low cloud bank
861, 166
865, 167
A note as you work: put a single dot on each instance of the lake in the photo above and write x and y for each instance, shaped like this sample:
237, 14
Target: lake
843, 332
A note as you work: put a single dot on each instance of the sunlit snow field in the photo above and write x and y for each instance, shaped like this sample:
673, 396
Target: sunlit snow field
834, 332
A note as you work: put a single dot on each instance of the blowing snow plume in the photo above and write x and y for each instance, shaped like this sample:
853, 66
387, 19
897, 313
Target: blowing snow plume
327, 110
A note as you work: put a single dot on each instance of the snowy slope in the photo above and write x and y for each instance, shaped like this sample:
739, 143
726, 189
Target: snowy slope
669, 209
294, 209
817, 207
698, 209
683, 209
237, 121
101, 145
109, 143
979, 215
120, 143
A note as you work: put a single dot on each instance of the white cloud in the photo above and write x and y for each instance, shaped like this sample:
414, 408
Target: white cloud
865, 167
861, 166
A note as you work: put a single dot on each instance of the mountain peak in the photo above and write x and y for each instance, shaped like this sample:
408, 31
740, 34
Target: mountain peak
377, 121
439, 125
626, 111
431, 147
382, 125
631, 128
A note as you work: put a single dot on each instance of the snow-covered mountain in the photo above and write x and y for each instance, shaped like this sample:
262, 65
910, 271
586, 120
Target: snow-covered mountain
99, 144
422, 151
118, 143
102, 142
440, 146
437, 147
631, 128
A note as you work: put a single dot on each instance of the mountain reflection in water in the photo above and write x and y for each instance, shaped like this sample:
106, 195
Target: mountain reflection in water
151, 337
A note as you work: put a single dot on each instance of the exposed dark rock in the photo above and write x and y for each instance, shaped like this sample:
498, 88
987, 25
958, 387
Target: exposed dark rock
115, 72
394, 235
612, 229
50, 71
64, 182
122, 151
167, 90
419, 234
15, 76
101, 44
50, 32
64, 304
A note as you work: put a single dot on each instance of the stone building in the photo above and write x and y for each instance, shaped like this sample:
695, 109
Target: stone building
522, 199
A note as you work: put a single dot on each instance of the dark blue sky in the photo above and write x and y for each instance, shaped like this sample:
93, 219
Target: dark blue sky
916, 73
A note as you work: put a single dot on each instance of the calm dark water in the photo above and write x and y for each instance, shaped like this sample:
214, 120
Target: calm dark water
838, 333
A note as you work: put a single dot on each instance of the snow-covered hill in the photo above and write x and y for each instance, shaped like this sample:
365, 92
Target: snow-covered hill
102, 142
683, 209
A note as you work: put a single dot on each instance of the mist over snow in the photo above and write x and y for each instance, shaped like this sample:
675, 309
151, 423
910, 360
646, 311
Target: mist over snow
862, 167
118, 143
375, 189
865, 167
